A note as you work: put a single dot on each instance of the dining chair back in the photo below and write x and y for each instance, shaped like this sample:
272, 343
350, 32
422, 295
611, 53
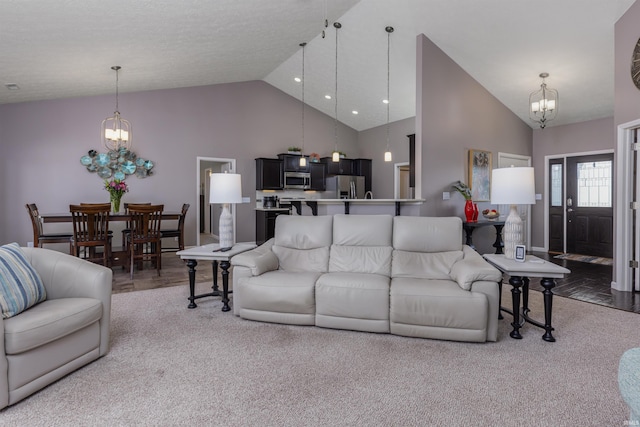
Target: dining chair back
90, 231
39, 237
177, 232
144, 240
127, 227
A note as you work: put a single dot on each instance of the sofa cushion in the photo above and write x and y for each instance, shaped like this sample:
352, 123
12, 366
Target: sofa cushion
427, 234
278, 291
301, 260
361, 244
361, 259
354, 295
437, 303
303, 232
422, 265
49, 321
20, 284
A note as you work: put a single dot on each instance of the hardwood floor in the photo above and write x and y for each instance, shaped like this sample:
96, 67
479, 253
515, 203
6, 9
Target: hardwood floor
590, 283
587, 282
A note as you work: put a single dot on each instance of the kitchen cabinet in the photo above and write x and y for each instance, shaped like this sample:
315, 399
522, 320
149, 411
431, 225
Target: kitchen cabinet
363, 167
266, 223
269, 174
318, 175
343, 167
291, 163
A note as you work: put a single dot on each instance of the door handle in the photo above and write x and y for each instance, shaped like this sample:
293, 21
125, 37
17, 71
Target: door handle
569, 210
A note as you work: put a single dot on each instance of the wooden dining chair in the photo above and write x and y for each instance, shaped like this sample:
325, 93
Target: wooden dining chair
144, 240
177, 232
90, 231
127, 227
39, 236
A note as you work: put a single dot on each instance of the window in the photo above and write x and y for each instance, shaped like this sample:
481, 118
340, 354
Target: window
594, 184
556, 185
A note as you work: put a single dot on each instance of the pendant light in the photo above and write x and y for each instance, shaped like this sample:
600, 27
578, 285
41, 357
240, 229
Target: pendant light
543, 104
336, 154
303, 159
387, 154
116, 131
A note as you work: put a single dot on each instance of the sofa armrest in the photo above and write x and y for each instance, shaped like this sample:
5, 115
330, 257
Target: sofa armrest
258, 260
471, 268
65, 276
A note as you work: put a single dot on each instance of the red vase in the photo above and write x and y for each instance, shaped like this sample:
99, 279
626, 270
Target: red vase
468, 210
475, 212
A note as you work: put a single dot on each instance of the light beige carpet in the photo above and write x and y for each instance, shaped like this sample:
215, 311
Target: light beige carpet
172, 366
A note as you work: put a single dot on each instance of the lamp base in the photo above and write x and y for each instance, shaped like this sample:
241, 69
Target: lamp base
512, 232
226, 228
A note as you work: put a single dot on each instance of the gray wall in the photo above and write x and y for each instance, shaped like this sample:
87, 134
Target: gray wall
627, 96
42, 143
454, 114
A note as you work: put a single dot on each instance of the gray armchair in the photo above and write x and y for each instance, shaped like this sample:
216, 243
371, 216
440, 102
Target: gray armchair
59, 335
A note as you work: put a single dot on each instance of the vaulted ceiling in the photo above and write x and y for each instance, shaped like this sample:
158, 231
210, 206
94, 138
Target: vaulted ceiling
65, 48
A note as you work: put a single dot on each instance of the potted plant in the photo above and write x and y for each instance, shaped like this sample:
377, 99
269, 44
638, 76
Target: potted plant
470, 208
294, 150
314, 157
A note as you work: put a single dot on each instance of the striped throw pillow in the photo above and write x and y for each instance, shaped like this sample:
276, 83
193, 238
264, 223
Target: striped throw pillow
20, 284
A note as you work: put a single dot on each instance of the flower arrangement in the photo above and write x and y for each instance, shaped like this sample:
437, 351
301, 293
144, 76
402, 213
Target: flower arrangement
116, 189
315, 157
463, 189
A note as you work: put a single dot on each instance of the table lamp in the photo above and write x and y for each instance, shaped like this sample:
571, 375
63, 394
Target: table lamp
512, 186
225, 188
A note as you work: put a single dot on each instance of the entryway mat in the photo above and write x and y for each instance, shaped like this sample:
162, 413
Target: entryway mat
586, 258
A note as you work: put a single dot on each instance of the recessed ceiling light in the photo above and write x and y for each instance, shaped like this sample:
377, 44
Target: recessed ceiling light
12, 86
354, 112
297, 79
328, 96
385, 101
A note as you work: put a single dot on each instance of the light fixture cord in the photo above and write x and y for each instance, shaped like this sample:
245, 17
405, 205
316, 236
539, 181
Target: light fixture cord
337, 25
388, 79
303, 46
117, 109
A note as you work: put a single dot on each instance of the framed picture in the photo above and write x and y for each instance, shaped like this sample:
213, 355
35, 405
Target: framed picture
480, 175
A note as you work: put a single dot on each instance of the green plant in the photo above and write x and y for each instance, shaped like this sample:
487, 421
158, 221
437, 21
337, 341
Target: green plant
293, 148
463, 189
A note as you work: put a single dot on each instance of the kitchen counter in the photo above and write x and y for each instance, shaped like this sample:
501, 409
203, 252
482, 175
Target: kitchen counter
260, 208
347, 203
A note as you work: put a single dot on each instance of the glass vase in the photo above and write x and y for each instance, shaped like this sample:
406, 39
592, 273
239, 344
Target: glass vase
468, 210
115, 204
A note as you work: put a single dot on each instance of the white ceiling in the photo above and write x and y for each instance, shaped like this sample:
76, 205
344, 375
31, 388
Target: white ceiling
65, 48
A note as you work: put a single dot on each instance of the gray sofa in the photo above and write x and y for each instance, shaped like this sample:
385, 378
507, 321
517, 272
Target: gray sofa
59, 335
403, 275
629, 383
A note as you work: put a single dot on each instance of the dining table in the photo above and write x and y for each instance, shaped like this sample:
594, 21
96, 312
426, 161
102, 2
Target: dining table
118, 258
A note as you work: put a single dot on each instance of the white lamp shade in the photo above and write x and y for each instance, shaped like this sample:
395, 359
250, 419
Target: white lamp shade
513, 186
225, 188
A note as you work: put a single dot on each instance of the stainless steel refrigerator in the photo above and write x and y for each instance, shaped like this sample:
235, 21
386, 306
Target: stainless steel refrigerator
346, 186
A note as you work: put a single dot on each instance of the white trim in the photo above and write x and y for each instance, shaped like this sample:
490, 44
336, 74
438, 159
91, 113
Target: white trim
232, 168
622, 274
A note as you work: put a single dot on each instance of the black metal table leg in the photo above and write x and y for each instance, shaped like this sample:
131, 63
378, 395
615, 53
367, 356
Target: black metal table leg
191, 263
516, 282
498, 244
548, 284
215, 276
225, 285
525, 295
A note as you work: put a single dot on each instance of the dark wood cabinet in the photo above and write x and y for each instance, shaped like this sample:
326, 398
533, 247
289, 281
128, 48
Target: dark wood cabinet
269, 174
363, 167
291, 163
318, 175
266, 224
343, 167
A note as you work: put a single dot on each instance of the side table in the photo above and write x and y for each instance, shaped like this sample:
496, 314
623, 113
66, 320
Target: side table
470, 226
519, 274
212, 253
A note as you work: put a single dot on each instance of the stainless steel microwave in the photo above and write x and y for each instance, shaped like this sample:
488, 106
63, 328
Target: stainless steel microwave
297, 180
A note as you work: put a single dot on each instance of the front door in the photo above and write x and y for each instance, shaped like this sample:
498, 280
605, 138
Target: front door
589, 205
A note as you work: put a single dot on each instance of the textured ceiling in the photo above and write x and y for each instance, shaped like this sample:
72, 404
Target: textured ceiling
65, 48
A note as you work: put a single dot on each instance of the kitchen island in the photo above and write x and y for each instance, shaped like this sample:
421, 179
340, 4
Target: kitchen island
356, 206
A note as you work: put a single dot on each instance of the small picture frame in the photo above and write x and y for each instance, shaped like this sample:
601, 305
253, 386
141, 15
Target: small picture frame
520, 253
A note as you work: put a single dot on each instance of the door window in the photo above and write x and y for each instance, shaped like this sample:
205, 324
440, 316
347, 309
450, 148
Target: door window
556, 184
594, 184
